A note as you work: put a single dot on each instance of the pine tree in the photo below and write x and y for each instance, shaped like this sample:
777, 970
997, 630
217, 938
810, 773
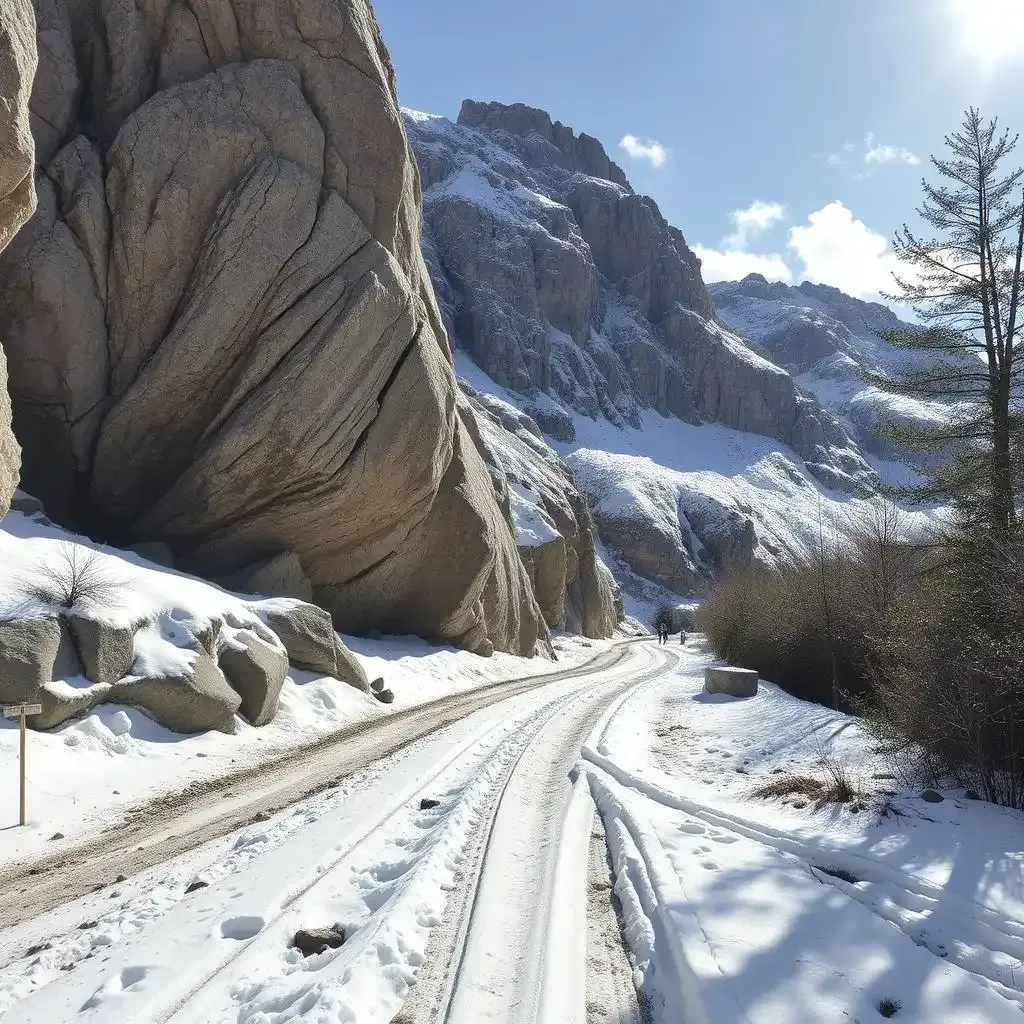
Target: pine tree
965, 286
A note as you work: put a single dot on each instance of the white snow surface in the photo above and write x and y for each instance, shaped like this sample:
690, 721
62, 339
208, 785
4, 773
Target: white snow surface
739, 909
87, 773
734, 909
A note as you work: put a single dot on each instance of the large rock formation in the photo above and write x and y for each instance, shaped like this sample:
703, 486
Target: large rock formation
561, 282
550, 516
829, 340
219, 327
17, 182
574, 294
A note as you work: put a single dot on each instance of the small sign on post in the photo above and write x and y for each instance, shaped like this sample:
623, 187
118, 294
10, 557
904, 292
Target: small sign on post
22, 711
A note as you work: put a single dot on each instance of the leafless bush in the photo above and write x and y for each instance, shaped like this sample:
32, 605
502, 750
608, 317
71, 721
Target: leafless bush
75, 576
809, 624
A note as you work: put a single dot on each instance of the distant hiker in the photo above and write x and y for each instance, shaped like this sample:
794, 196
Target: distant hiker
682, 637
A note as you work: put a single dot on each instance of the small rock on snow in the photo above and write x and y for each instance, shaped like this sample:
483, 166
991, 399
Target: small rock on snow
930, 796
386, 697
197, 884
427, 804
311, 941
57, 835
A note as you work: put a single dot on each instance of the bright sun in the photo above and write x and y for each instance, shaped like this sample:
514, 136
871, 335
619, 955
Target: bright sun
990, 30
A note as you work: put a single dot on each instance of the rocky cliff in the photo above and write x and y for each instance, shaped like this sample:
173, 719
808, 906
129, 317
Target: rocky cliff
560, 281
219, 328
828, 340
17, 182
579, 301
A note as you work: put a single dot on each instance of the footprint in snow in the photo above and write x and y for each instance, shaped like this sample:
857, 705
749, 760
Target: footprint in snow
724, 838
709, 865
692, 828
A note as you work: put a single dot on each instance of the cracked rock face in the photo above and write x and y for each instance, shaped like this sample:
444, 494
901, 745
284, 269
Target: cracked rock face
17, 183
561, 282
551, 516
220, 330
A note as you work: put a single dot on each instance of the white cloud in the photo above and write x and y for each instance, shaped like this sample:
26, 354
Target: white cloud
644, 149
733, 264
753, 221
886, 154
840, 250
834, 159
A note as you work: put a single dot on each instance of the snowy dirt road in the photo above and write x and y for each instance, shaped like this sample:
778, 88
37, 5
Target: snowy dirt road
461, 863
592, 850
179, 821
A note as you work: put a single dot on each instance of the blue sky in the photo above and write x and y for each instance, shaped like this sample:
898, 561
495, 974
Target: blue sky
815, 117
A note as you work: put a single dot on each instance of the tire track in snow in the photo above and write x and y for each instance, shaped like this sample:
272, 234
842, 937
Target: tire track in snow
177, 823
981, 942
512, 946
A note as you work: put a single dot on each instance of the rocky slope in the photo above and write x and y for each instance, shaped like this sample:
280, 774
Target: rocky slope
17, 182
564, 284
582, 306
827, 339
83, 625
219, 329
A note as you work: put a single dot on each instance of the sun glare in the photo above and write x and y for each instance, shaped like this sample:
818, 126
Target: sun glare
989, 30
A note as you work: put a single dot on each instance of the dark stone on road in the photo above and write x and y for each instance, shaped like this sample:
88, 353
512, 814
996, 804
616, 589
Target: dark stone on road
311, 941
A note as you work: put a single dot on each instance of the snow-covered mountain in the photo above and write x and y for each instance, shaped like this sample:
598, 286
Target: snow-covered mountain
827, 340
568, 296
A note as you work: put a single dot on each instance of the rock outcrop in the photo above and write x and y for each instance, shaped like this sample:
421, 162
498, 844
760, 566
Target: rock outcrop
829, 340
567, 287
188, 673
550, 516
220, 331
17, 183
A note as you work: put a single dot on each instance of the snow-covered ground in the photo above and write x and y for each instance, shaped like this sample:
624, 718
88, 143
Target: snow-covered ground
667, 470
770, 912
88, 773
733, 908
367, 856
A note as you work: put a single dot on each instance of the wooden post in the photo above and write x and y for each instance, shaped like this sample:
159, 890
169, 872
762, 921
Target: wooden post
21, 712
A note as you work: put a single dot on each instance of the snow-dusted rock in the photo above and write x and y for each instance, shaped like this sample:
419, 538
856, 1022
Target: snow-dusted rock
308, 635
305, 631
28, 650
568, 288
256, 671
107, 651
194, 698
739, 682
243, 354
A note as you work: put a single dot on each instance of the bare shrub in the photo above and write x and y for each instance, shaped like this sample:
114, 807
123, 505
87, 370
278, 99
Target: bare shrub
839, 787
948, 678
75, 576
809, 624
